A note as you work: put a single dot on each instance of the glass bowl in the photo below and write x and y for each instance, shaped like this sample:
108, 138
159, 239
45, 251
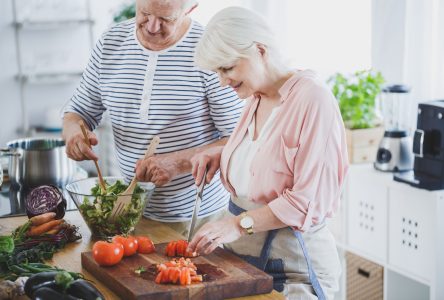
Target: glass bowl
96, 209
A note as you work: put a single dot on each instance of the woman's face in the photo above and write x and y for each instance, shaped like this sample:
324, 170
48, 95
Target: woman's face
245, 76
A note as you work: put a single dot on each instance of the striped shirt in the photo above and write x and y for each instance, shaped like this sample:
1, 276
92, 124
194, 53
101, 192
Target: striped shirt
149, 93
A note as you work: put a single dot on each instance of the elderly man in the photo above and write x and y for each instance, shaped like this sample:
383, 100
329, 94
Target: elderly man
142, 72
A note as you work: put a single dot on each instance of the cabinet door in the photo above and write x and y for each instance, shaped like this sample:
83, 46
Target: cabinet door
367, 192
412, 229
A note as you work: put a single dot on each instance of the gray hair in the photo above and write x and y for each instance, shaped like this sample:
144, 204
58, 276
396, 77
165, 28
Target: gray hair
186, 4
230, 35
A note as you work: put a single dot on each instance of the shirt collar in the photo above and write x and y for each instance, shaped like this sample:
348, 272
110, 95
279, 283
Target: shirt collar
288, 85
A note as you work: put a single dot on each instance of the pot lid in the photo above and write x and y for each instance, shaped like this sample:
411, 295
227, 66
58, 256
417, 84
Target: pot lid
36, 143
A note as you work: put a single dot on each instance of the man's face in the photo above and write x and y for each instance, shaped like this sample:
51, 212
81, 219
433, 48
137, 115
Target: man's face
158, 22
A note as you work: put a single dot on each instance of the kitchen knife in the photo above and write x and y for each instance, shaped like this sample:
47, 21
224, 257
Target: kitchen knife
199, 193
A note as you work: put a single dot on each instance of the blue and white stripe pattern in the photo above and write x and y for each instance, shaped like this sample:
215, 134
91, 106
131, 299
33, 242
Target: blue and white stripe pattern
161, 93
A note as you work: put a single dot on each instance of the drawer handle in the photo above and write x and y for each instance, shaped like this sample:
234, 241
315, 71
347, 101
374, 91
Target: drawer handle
363, 273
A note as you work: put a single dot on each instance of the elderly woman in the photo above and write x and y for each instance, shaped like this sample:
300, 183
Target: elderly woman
284, 164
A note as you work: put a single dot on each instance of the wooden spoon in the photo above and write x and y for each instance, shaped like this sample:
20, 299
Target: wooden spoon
101, 181
125, 198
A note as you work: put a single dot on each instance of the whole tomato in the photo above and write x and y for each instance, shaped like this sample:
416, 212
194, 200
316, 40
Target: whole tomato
129, 244
146, 246
107, 254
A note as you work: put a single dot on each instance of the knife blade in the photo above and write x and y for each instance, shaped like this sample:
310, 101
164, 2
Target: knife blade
199, 194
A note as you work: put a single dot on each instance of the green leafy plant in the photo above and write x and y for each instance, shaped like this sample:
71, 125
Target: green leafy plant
356, 95
127, 12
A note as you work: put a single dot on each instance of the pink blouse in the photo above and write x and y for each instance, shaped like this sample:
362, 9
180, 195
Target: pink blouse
300, 168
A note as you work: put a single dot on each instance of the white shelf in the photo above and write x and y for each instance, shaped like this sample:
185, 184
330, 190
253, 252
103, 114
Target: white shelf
50, 77
417, 269
50, 24
38, 26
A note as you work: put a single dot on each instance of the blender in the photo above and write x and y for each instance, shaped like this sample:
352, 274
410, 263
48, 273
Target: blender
394, 152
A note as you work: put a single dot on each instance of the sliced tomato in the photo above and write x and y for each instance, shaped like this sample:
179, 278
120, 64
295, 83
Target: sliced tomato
179, 248
172, 251
158, 278
145, 245
174, 275
196, 278
185, 276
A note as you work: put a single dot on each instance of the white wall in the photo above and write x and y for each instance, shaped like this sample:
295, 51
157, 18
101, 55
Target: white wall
10, 111
52, 49
324, 35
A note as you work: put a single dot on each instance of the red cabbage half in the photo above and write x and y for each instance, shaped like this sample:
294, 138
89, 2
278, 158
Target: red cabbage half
43, 199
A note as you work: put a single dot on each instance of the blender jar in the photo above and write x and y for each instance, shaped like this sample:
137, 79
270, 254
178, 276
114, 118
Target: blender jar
394, 102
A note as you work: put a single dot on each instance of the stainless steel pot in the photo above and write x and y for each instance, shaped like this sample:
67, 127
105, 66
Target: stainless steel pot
38, 161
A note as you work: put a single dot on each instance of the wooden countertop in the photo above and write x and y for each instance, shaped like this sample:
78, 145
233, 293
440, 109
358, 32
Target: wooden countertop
69, 257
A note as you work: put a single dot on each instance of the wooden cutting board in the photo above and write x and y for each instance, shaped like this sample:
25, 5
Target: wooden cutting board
227, 276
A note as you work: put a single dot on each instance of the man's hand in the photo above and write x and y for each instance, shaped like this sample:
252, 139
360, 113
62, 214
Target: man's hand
159, 169
162, 168
76, 148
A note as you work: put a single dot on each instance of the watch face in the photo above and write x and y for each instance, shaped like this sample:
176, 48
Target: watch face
246, 222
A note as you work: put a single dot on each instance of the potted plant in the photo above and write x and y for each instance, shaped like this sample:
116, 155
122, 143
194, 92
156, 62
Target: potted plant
356, 95
127, 11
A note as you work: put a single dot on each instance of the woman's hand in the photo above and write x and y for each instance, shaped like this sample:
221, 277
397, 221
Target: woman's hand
213, 234
210, 160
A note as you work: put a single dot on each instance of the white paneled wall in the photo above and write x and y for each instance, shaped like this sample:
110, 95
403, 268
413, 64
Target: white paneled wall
44, 49
326, 36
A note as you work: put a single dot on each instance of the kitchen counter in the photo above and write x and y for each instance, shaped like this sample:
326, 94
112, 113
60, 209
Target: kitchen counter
69, 257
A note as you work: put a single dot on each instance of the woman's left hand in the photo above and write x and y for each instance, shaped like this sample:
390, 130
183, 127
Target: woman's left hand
214, 234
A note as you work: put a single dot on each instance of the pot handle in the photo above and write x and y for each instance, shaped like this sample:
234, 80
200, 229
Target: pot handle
8, 152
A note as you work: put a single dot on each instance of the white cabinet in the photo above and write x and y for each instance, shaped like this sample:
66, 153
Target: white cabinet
396, 226
412, 229
367, 211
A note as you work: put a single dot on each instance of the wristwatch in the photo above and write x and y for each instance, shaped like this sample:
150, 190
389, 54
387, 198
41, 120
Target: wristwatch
246, 222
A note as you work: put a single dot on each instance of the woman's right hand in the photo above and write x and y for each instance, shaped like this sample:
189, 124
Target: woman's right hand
208, 159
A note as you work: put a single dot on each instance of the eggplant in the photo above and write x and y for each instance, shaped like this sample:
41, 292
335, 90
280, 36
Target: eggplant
85, 290
47, 284
46, 293
36, 280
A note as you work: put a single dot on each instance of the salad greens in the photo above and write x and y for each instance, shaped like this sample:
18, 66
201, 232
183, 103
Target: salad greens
6, 244
23, 256
97, 213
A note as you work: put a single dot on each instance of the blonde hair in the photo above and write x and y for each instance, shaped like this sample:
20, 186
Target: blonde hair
230, 35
